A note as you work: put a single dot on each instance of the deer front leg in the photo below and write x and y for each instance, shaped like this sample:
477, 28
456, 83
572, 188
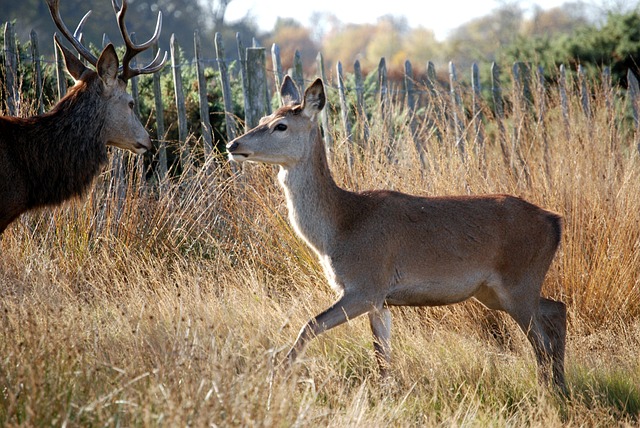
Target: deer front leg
380, 322
348, 307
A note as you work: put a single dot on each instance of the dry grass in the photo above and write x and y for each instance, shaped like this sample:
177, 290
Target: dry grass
174, 306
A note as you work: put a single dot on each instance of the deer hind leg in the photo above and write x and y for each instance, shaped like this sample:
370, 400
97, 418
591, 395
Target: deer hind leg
348, 307
543, 321
553, 316
546, 330
380, 322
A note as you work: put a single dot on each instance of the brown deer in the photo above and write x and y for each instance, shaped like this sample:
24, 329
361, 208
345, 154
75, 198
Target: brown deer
383, 248
47, 159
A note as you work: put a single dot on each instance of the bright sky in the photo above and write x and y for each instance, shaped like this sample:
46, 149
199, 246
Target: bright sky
439, 16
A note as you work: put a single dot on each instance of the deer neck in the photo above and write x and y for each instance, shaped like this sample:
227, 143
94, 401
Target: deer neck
70, 150
313, 198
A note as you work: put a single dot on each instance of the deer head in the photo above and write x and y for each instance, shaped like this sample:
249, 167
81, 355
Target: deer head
122, 127
282, 138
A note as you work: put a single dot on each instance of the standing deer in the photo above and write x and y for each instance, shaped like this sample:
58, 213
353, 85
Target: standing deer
383, 248
47, 159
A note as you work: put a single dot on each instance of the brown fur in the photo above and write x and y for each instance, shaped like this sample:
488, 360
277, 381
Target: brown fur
384, 248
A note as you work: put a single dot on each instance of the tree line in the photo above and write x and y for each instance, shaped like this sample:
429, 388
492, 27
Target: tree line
571, 34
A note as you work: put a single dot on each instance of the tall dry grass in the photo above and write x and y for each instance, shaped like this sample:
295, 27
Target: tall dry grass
174, 304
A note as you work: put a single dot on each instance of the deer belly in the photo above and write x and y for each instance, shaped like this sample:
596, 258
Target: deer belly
435, 291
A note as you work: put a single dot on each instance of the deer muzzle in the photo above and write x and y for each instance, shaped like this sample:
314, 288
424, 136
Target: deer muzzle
236, 152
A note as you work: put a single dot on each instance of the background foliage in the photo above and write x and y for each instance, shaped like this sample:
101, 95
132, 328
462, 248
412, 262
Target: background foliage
575, 32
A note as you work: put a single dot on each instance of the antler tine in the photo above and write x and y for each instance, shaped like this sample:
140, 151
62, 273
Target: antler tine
78, 33
132, 49
54, 9
155, 65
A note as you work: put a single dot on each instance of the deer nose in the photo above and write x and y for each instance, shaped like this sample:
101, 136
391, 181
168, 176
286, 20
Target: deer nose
147, 143
143, 145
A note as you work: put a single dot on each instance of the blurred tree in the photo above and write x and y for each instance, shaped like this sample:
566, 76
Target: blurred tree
322, 22
480, 39
290, 36
615, 44
387, 42
217, 10
180, 17
367, 43
541, 36
347, 43
420, 45
562, 19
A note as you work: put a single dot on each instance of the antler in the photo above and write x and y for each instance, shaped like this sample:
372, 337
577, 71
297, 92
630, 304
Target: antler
54, 8
132, 49
126, 72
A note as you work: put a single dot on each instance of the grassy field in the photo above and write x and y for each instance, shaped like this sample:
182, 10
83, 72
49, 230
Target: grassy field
175, 305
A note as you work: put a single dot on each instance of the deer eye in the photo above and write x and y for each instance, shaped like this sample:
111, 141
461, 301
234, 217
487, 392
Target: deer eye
281, 127
131, 105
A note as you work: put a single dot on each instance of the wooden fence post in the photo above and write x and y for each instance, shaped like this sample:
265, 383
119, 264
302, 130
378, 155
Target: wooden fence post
11, 69
523, 72
383, 87
385, 114
411, 106
360, 107
162, 144
633, 95
344, 109
256, 102
542, 110
409, 88
324, 114
498, 106
564, 102
477, 111
584, 92
606, 89
205, 123
523, 102
278, 76
434, 100
526, 104
633, 92
456, 106
185, 152
242, 58
229, 121
60, 73
37, 71
522, 108
542, 95
297, 76
135, 93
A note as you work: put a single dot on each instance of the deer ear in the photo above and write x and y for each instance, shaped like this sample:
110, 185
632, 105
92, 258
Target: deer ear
314, 98
74, 66
289, 92
107, 66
